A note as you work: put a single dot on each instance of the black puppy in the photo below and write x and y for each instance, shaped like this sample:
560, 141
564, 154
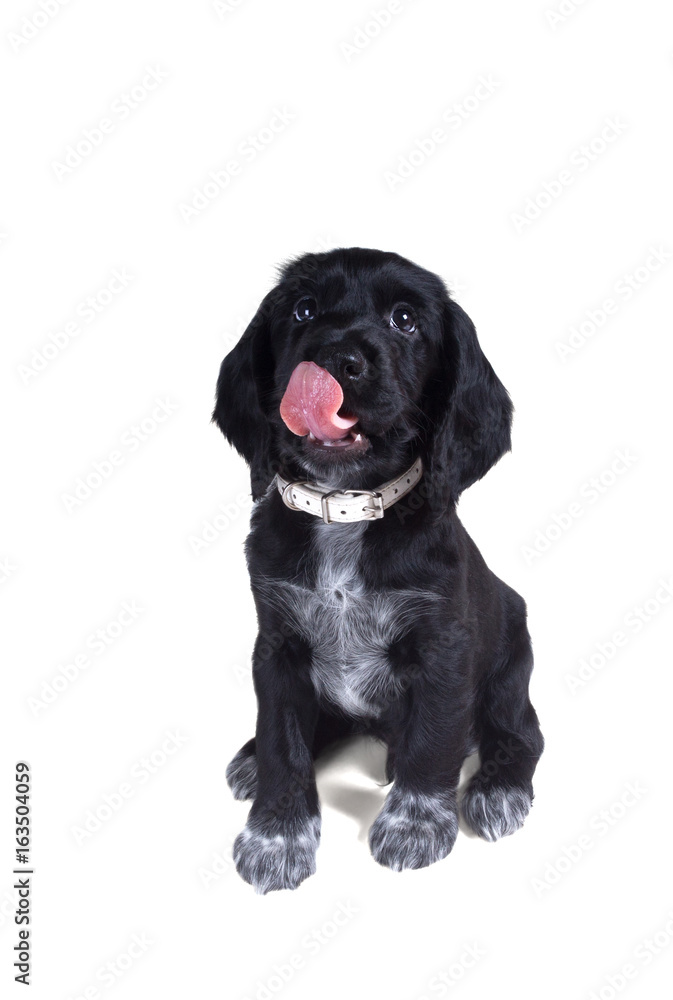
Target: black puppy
359, 387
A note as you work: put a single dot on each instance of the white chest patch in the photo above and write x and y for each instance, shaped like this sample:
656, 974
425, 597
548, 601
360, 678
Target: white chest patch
349, 627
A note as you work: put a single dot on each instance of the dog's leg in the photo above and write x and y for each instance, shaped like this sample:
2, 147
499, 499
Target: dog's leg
242, 770
277, 848
499, 796
419, 821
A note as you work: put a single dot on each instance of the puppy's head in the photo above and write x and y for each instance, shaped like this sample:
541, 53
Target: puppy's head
356, 362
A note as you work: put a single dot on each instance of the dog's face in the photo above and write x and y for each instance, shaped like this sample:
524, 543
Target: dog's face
374, 323
390, 349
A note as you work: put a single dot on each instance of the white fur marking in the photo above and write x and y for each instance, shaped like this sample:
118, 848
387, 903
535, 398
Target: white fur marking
278, 861
497, 812
349, 627
413, 830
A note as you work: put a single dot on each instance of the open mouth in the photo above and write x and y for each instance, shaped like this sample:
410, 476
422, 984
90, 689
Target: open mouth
312, 408
354, 440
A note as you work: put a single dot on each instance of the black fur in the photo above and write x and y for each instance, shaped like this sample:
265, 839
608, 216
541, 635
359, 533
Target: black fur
458, 670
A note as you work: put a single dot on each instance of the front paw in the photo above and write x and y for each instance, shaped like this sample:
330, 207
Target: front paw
493, 811
413, 830
277, 858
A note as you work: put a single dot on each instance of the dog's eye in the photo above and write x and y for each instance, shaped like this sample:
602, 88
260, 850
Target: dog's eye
305, 309
402, 318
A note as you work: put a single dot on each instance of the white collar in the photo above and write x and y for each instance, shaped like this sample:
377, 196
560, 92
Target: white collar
347, 505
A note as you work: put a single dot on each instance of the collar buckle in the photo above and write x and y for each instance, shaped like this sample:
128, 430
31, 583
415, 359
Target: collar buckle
372, 513
377, 509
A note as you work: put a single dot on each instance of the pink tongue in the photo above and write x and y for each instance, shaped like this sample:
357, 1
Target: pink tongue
311, 401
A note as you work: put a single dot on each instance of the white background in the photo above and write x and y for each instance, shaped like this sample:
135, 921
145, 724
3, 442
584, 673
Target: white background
546, 917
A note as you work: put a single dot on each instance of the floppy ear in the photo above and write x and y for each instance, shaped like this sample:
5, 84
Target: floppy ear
471, 411
246, 376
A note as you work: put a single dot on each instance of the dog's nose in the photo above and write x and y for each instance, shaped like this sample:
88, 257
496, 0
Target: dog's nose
346, 364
